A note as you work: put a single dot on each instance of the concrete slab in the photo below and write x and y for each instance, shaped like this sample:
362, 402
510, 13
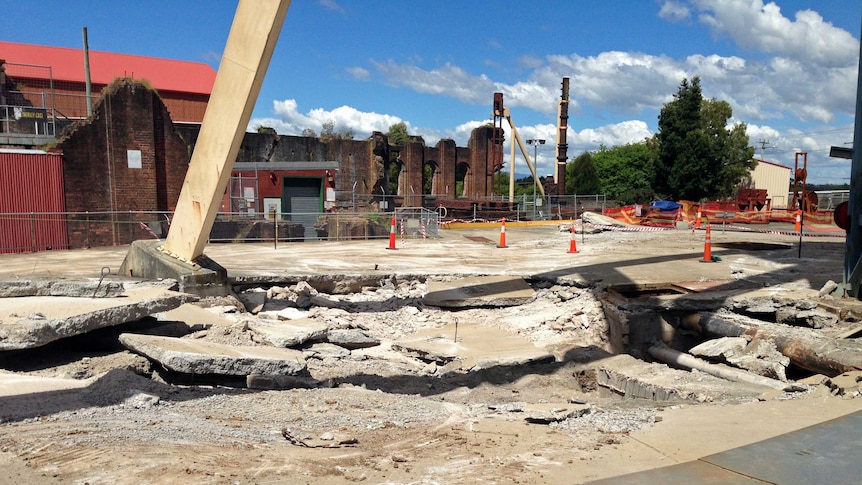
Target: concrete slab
823, 453
60, 286
197, 357
28, 322
479, 291
478, 347
194, 316
633, 378
19, 384
288, 333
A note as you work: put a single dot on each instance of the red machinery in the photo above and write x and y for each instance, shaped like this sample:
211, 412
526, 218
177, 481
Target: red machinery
802, 198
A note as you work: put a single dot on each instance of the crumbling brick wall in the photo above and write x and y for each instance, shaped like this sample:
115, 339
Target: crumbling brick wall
100, 178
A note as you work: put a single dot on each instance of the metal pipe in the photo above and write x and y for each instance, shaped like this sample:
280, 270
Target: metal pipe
673, 357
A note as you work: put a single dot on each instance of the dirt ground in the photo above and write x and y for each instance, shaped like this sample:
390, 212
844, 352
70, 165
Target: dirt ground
383, 415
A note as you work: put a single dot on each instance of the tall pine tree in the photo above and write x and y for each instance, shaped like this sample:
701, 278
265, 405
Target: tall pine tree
698, 157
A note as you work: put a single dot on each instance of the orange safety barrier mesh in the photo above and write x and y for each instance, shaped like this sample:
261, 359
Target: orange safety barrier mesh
718, 213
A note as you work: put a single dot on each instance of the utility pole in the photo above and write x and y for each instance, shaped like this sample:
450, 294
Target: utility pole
763, 147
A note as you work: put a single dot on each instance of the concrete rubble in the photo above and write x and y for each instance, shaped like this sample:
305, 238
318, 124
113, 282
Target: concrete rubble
33, 321
388, 356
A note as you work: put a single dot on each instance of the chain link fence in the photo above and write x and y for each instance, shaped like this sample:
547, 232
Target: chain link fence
41, 231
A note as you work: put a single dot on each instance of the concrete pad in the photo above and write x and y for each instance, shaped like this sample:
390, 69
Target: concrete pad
478, 347
497, 291
197, 357
288, 333
28, 322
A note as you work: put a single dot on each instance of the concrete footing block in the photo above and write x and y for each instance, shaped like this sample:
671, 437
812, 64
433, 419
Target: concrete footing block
203, 277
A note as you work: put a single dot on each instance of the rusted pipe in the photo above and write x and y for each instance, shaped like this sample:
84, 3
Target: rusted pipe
829, 357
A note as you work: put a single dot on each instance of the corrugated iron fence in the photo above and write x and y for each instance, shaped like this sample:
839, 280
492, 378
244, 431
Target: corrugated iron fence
31, 201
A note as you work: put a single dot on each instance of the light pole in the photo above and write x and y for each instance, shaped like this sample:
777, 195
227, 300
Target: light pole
535, 142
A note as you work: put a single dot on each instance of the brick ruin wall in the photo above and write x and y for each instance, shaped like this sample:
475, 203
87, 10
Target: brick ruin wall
97, 174
130, 116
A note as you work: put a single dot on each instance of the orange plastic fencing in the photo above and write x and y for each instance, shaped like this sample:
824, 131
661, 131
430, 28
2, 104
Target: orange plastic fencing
721, 213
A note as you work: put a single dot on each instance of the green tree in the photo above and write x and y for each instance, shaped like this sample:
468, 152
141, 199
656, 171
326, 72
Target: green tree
625, 172
398, 134
581, 176
697, 156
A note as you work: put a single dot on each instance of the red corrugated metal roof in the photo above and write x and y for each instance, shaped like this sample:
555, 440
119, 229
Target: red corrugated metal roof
68, 65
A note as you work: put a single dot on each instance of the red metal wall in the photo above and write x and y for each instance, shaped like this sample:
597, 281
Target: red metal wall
31, 185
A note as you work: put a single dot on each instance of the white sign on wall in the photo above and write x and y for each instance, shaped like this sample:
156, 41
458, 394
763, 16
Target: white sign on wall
134, 157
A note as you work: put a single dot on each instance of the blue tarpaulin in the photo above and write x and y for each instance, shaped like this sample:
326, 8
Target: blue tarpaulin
666, 205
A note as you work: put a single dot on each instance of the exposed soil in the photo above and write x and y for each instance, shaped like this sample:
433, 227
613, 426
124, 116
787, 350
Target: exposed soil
372, 415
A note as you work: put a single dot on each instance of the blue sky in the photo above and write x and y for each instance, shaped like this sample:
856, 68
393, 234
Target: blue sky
788, 68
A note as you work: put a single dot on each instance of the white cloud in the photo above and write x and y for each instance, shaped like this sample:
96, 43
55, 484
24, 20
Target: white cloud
447, 80
332, 5
674, 11
755, 25
289, 121
359, 73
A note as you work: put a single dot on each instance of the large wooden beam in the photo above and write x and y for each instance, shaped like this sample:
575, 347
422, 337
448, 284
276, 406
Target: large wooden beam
246, 57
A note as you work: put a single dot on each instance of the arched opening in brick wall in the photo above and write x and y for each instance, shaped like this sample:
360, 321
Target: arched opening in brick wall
463, 180
432, 178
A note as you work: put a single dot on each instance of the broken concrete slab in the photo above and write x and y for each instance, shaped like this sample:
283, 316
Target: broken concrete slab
632, 378
253, 299
481, 291
720, 347
600, 220
287, 333
29, 322
197, 357
351, 338
325, 350
478, 347
547, 413
195, 317
80, 288
289, 313
847, 383
12, 384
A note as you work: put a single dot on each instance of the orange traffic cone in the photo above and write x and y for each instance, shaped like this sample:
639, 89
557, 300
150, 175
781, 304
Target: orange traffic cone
392, 234
502, 234
573, 247
707, 248
798, 227
697, 221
